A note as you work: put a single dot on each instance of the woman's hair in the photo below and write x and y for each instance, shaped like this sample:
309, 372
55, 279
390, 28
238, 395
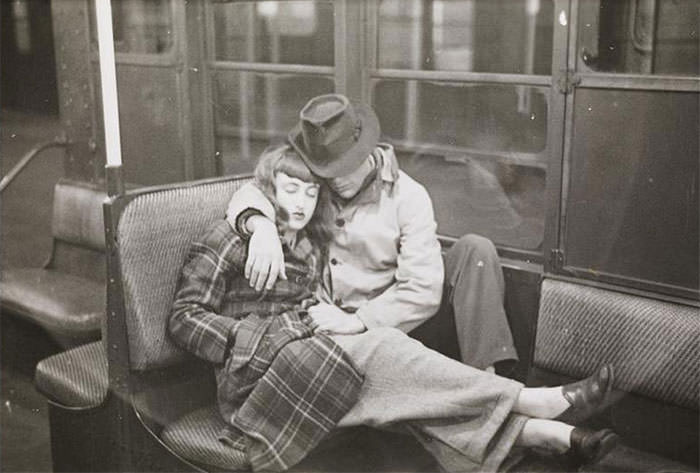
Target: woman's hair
283, 158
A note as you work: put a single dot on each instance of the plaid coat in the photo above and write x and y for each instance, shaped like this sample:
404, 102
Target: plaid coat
280, 387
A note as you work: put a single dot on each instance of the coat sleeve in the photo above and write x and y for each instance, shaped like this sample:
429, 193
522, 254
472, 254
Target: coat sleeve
246, 199
415, 294
195, 322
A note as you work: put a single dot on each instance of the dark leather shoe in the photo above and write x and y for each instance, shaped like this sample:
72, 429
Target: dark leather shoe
589, 446
589, 395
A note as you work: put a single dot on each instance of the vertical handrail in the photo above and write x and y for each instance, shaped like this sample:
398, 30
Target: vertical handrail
27, 158
110, 101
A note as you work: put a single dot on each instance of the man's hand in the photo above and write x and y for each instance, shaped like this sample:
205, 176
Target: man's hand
265, 258
331, 319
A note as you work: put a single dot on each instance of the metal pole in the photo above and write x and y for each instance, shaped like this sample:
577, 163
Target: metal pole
110, 102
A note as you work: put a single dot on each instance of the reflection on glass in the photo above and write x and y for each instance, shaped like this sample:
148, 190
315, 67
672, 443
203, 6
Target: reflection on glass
487, 118
485, 153
284, 32
140, 26
640, 36
632, 208
496, 199
252, 110
502, 36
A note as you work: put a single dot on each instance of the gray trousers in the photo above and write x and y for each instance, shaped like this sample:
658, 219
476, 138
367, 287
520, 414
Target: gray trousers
460, 414
474, 290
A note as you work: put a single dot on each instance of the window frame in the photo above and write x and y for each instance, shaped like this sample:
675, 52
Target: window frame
212, 66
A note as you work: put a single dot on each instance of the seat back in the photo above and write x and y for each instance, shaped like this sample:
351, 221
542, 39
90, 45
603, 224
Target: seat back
78, 229
154, 229
653, 346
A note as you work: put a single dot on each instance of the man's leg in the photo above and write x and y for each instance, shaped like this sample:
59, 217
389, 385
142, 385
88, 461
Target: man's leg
474, 288
460, 414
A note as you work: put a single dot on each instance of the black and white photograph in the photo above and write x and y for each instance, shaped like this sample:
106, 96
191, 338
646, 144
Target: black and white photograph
350, 236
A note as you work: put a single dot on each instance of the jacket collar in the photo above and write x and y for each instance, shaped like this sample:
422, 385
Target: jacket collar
389, 165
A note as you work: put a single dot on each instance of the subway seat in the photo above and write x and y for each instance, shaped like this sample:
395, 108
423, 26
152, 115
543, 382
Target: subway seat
155, 230
66, 306
67, 296
75, 378
653, 346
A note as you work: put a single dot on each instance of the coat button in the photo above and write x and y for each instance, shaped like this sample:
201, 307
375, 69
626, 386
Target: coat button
340, 222
334, 261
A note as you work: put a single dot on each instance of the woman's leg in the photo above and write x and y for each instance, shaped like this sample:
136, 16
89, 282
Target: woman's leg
542, 403
460, 414
548, 434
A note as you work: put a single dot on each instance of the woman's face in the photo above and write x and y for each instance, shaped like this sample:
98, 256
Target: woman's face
297, 197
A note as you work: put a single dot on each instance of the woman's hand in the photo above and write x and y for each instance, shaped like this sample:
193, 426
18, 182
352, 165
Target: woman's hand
265, 258
331, 319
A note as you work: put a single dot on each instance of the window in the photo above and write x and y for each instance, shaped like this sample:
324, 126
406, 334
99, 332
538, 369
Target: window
269, 59
643, 37
465, 35
472, 132
632, 208
139, 26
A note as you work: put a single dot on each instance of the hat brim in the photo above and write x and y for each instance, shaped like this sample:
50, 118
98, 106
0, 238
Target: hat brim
352, 158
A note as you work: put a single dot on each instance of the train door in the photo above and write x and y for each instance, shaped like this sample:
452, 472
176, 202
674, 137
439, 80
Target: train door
629, 190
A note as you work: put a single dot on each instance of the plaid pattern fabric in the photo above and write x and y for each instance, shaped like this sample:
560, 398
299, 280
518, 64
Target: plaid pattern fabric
213, 296
281, 386
284, 388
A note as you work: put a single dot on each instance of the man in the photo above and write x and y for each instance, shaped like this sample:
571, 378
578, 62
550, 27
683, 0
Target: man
386, 268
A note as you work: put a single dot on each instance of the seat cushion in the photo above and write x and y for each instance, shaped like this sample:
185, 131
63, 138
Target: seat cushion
63, 304
76, 377
195, 438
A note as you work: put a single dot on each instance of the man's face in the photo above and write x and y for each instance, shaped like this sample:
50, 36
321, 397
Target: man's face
349, 185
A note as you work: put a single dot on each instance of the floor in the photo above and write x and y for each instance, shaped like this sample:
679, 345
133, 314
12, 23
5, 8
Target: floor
25, 242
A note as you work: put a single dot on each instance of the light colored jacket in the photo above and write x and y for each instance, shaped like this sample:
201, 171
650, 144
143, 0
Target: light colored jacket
385, 260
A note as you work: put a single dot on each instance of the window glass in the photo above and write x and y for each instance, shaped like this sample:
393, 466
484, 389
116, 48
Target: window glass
640, 36
140, 26
252, 110
496, 199
502, 36
289, 32
632, 208
479, 149
504, 119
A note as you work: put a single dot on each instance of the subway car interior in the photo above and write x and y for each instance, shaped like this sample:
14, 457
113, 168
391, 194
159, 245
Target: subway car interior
565, 131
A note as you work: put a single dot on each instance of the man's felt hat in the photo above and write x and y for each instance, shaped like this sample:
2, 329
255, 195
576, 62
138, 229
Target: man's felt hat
335, 136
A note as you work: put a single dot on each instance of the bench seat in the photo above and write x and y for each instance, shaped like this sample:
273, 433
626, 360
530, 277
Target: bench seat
653, 346
63, 304
76, 377
67, 296
194, 437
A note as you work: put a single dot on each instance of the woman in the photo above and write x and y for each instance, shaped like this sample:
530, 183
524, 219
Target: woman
254, 340
278, 383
